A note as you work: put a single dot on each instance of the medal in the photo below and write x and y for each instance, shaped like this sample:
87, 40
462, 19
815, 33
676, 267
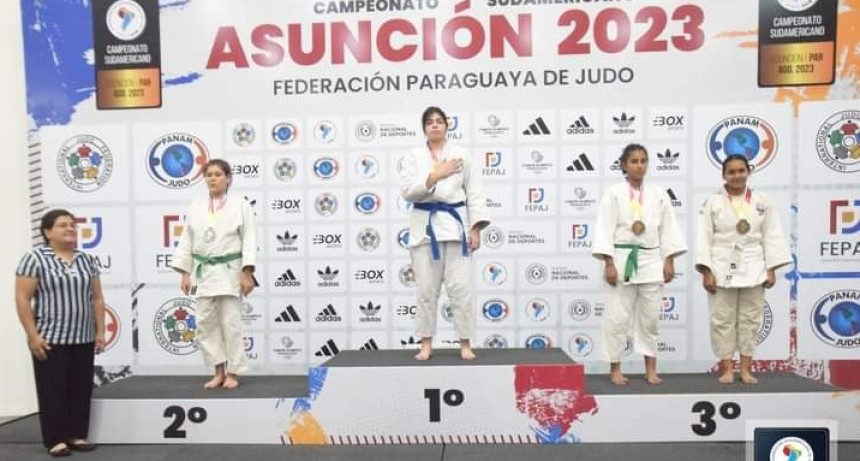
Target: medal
638, 226
741, 210
209, 235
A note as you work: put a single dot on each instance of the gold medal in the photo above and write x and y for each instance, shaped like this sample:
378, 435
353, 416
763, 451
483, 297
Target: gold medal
743, 226
638, 227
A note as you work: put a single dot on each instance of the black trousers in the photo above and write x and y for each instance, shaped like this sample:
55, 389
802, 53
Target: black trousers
64, 386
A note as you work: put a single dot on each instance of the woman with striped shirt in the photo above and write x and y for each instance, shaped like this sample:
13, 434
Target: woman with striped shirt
59, 300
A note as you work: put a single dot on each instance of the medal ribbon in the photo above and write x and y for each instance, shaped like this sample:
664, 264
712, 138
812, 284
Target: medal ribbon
741, 208
213, 210
636, 202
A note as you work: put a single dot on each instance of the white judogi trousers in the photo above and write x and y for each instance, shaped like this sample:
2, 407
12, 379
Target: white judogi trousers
736, 316
219, 334
642, 302
457, 273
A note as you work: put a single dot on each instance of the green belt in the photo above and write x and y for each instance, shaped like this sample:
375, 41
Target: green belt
203, 260
632, 263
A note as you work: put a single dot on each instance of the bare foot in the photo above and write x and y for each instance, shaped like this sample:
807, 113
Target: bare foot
726, 378
424, 354
618, 379
215, 382
747, 378
466, 353
231, 382
653, 379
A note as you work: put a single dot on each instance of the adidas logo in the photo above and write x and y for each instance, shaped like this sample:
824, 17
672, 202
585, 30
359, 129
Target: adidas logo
287, 279
329, 349
370, 345
538, 127
288, 315
623, 121
328, 275
370, 312
673, 199
328, 315
581, 163
409, 342
668, 160
580, 126
287, 240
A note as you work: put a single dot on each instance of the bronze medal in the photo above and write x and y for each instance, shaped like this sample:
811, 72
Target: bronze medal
743, 226
638, 227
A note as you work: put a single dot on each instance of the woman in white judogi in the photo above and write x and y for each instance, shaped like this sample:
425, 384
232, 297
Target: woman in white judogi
739, 246
216, 257
637, 238
445, 226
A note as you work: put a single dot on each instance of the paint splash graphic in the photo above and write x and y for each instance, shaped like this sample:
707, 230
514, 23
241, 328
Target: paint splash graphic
304, 428
554, 397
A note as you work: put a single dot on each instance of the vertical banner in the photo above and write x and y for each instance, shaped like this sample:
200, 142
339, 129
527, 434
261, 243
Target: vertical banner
797, 42
127, 50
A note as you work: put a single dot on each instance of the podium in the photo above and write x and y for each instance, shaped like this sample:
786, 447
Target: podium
505, 396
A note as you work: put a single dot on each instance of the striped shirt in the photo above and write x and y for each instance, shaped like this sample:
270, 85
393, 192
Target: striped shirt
63, 301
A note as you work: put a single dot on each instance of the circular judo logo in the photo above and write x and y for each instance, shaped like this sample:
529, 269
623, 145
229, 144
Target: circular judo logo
836, 319
175, 326
176, 160
84, 163
746, 135
838, 142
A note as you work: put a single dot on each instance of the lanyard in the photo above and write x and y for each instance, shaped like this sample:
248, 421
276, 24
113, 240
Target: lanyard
741, 208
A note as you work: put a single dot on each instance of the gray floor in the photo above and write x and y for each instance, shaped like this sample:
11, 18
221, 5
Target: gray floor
449, 357
19, 440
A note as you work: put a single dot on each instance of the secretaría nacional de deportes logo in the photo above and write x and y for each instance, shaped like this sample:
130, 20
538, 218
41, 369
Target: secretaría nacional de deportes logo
84, 163
284, 169
326, 204
838, 142
244, 134
536, 273
113, 328
493, 237
365, 131
538, 341
126, 20
175, 326
766, 324
744, 135
284, 133
836, 319
495, 310
367, 203
176, 160
579, 309
325, 132
326, 168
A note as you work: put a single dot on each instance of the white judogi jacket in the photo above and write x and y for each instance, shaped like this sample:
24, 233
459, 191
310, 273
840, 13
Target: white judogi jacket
415, 167
736, 260
662, 236
235, 231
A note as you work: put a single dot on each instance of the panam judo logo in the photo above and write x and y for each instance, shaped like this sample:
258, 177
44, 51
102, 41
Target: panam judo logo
744, 135
176, 160
838, 142
84, 163
836, 319
175, 326
126, 20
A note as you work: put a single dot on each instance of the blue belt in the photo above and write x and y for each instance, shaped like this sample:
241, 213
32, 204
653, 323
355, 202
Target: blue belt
451, 208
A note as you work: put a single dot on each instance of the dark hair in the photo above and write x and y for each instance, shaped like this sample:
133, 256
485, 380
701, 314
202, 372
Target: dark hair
49, 218
428, 112
628, 150
222, 165
740, 157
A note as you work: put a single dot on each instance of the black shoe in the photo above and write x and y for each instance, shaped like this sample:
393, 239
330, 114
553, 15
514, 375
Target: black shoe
82, 446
